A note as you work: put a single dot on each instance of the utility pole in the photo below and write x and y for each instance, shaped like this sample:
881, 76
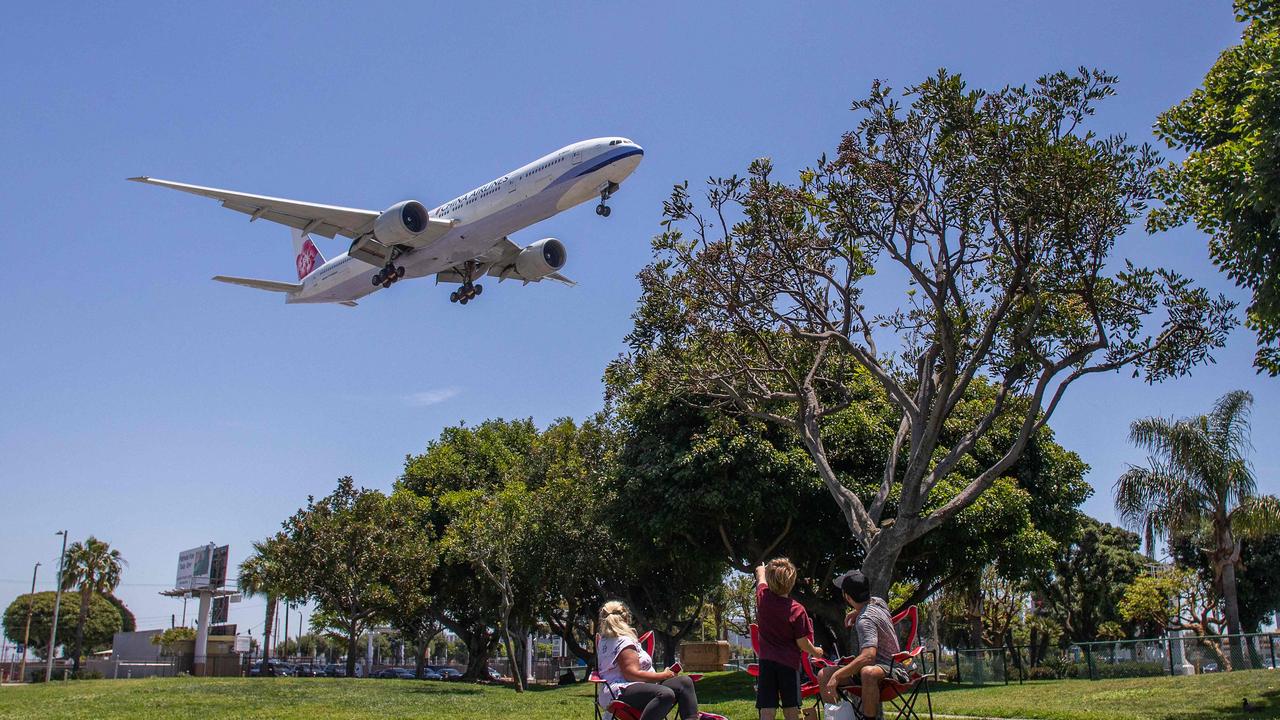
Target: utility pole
26, 634
286, 627
57, 605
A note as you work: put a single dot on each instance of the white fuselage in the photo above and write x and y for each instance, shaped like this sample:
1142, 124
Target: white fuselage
553, 183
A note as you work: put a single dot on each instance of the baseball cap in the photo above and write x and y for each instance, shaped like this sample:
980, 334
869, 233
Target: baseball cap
854, 584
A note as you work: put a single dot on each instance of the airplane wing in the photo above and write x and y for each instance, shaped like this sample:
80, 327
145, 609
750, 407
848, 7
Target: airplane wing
326, 220
501, 259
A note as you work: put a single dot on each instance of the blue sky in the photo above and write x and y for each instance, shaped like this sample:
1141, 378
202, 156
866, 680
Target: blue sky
158, 410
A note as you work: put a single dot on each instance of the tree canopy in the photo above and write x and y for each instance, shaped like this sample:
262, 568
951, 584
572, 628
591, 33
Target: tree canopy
997, 215
102, 622
1230, 129
1090, 573
348, 552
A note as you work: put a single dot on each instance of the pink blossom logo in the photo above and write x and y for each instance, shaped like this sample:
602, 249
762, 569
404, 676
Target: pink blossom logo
307, 258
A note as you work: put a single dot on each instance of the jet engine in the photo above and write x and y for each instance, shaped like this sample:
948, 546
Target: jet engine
401, 223
540, 259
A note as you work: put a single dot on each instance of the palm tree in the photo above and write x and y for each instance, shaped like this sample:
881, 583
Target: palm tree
91, 567
1199, 482
260, 575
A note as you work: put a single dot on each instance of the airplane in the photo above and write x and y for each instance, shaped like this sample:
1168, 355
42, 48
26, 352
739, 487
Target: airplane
459, 242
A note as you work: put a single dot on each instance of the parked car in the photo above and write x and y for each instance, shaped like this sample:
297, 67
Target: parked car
493, 675
396, 673
335, 670
1209, 667
445, 672
275, 668
308, 670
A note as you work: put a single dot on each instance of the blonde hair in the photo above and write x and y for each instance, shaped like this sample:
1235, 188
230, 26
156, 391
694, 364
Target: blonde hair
780, 575
615, 620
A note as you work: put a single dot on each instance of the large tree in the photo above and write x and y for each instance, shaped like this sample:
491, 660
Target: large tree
995, 215
1198, 480
559, 538
348, 552
1090, 572
92, 568
1227, 184
490, 530
480, 460
101, 622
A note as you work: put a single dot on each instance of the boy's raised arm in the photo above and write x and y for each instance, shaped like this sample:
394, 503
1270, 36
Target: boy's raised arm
760, 574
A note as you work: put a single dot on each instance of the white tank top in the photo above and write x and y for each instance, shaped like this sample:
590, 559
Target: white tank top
607, 652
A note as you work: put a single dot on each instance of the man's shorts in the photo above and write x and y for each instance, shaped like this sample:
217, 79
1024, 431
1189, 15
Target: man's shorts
777, 686
891, 671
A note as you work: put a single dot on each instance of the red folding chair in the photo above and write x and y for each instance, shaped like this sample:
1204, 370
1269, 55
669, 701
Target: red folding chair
895, 694
619, 710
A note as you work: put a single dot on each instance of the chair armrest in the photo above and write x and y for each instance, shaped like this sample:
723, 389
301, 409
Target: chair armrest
906, 655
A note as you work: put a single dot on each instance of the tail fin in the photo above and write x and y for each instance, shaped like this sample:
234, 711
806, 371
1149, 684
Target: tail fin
305, 254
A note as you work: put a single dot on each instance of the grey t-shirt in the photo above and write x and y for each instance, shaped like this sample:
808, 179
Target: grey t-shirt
875, 629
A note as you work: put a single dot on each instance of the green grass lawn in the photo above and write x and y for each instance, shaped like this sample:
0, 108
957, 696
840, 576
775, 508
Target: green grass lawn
1206, 696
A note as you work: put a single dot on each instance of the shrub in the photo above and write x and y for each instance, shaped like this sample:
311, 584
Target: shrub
1042, 672
1130, 670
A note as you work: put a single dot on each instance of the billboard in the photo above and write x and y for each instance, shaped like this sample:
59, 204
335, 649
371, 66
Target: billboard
220, 607
202, 567
218, 567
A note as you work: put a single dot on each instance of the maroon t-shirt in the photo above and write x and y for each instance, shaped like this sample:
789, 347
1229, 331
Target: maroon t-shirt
782, 621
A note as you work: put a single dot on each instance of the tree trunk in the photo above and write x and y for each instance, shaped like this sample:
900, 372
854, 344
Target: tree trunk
267, 626
882, 555
1231, 601
420, 661
477, 654
975, 614
353, 640
85, 593
517, 669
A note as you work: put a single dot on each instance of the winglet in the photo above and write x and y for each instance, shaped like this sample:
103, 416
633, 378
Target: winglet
140, 178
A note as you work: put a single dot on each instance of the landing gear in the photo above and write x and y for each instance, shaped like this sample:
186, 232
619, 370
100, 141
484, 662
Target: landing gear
469, 290
605, 193
388, 275
466, 293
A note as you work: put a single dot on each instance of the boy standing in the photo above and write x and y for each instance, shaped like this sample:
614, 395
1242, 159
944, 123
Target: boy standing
785, 632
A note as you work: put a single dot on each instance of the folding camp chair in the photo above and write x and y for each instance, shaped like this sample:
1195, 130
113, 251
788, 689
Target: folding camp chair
898, 695
619, 710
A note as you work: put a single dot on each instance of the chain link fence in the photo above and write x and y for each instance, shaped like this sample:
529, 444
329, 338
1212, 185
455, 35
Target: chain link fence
1145, 657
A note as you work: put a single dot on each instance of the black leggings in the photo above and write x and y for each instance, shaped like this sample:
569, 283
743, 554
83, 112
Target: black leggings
656, 700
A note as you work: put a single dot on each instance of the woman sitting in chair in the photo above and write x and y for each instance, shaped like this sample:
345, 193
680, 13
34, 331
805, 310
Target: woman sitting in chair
627, 671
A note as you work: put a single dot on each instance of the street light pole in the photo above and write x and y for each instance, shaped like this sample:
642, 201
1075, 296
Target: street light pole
26, 634
57, 605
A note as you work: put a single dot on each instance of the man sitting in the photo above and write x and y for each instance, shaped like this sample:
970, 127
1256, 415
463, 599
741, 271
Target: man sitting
877, 643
